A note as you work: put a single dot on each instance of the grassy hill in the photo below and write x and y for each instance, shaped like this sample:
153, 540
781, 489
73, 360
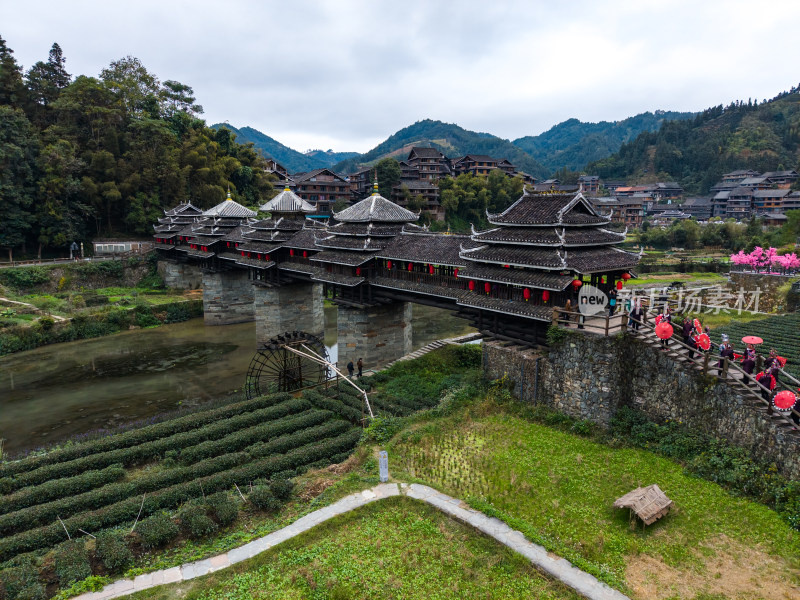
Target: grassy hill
574, 144
293, 160
696, 152
450, 139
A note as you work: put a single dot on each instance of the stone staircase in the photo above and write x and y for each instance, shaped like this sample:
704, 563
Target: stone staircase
462, 339
734, 378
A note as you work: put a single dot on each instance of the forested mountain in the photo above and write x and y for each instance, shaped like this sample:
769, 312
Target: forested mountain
450, 139
743, 135
103, 156
574, 144
293, 160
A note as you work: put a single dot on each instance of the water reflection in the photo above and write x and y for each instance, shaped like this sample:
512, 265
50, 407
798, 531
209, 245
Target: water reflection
58, 391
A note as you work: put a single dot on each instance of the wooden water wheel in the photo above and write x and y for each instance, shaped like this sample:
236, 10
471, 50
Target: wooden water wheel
277, 368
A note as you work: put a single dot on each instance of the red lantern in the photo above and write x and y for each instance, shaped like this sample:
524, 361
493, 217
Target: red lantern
305, 254
430, 269
664, 330
242, 252
266, 257
410, 266
455, 273
703, 341
603, 279
487, 287
626, 276
526, 293
471, 286
619, 285
784, 401
358, 270
389, 265
291, 252
249, 255
506, 266
576, 283
229, 244
546, 295
259, 257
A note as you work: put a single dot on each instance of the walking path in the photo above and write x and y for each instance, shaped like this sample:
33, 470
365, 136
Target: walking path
54, 317
462, 339
554, 566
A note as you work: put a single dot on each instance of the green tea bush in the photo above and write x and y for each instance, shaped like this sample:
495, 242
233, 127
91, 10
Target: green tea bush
21, 582
282, 488
195, 522
262, 497
222, 508
156, 531
72, 562
24, 278
113, 551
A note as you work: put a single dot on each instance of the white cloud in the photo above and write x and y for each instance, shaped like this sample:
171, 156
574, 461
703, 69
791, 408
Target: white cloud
346, 74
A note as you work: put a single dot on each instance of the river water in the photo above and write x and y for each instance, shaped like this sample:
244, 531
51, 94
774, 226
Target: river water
56, 392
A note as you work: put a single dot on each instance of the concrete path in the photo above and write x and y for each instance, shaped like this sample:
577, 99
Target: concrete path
554, 566
54, 317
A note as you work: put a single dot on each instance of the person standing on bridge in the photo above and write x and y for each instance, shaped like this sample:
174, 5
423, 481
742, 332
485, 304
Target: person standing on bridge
350, 368
725, 351
688, 338
748, 362
612, 302
666, 317
360, 365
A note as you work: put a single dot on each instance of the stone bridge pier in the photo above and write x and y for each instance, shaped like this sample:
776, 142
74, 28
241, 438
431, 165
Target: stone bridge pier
298, 306
227, 298
377, 334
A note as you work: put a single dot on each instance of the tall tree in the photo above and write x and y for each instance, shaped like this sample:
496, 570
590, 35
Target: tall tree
46, 79
136, 89
389, 173
178, 97
18, 149
12, 89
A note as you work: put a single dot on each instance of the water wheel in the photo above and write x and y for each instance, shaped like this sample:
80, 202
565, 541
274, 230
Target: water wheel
276, 368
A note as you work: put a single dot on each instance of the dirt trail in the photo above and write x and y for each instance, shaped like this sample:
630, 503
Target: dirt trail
54, 317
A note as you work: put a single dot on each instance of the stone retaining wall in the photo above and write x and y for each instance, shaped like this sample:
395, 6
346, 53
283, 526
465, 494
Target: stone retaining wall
378, 334
590, 377
180, 276
227, 298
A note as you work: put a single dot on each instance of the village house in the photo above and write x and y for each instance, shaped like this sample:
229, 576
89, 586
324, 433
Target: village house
322, 188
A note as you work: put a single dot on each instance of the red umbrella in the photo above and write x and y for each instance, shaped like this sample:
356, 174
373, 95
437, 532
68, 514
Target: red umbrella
752, 339
698, 326
784, 400
664, 330
704, 341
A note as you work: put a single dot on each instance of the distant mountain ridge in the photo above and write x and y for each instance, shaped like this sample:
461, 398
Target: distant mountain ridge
574, 144
449, 139
743, 135
293, 160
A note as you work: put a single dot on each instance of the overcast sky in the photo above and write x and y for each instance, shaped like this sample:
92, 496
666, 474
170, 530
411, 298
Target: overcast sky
347, 74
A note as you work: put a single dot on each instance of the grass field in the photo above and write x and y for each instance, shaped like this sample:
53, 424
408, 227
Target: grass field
396, 548
558, 489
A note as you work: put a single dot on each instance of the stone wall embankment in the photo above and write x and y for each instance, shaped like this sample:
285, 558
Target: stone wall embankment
591, 377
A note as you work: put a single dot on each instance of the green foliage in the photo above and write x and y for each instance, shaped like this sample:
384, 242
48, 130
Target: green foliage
21, 581
382, 429
282, 488
72, 562
222, 508
262, 498
467, 197
555, 335
696, 152
24, 278
195, 522
156, 531
388, 171
113, 551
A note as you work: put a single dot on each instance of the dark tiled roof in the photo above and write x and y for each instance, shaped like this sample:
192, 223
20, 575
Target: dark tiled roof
375, 208
261, 247
549, 237
419, 288
511, 307
301, 177
438, 249
337, 278
255, 263
343, 257
229, 208
199, 253
426, 152
416, 185
546, 280
299, 267
366, 229
343, 242
163, 246
185, 209
770, 193
548, 209
303, 240
590, 260
282, 224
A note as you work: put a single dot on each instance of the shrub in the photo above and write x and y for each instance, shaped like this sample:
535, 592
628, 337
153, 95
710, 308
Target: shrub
281, 488
195, 521
24, 277
555, 335
71, 562
21, 581
145, 317
157, 530
222, 508
113, 552
263, 498
383, 429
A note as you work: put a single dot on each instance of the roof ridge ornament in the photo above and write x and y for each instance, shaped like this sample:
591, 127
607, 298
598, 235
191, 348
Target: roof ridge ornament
229, 193
561, 235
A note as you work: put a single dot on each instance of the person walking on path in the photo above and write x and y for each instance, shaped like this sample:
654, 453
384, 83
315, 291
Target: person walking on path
350, 368
688, 339
666, 317
725, 351
612, 302
360, 365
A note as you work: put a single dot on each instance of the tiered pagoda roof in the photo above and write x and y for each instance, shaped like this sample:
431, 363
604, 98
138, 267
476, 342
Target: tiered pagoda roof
359, 232
174, 224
